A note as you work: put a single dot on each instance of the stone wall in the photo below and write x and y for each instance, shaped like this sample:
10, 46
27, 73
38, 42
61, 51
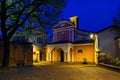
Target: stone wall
19, 53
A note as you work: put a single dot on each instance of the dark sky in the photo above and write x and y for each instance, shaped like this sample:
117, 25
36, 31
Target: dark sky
93, 15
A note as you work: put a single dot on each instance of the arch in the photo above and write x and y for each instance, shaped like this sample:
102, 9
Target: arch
42, 55
62, 56
57, 55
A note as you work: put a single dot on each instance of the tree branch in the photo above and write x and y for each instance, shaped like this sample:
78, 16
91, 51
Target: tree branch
13, 4
20, 24
17, 12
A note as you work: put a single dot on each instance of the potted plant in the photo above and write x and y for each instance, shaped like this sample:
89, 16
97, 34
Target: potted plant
84, 60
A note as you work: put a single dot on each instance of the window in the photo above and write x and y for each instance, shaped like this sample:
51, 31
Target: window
84, 38
40, 40
34, 41
80, 51
62, 25
37, 40
63, 36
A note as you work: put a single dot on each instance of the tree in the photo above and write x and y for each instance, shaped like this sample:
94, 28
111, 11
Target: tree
17, 13
116, 23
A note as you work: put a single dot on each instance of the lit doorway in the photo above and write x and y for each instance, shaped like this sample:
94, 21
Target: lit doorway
62, 56
57, 55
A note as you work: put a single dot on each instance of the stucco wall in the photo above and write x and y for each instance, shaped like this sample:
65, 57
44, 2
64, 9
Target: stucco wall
87, 52
107, 43
74, 56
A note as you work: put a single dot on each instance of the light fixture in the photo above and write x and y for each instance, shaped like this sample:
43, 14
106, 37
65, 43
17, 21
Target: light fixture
92, 35
96, 49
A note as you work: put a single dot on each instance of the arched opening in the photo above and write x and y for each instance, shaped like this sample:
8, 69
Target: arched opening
42, 55
57, 55
62, 56
38, 54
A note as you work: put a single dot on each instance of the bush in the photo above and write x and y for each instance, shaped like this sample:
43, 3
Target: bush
84, 60
117, 62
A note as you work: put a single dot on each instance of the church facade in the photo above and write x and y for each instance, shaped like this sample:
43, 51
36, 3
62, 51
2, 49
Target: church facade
70, 44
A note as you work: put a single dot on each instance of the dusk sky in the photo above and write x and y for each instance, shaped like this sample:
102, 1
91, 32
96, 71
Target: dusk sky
93, 15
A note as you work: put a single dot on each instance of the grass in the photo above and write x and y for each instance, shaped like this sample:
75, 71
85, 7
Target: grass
7, 69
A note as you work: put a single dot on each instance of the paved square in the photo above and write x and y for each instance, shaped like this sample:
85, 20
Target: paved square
60, 71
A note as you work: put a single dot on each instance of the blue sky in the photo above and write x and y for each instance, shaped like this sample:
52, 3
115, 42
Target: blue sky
94, 15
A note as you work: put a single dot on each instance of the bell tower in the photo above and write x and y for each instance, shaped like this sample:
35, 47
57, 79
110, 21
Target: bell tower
74, 20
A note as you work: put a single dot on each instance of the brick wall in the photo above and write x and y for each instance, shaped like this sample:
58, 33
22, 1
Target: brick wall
19, 52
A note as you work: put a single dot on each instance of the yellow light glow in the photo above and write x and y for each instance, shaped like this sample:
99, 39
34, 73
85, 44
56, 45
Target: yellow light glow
92, 36
37, 53
96, 49
36, 56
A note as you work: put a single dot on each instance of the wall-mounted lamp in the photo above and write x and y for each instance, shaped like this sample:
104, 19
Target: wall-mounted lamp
96, 49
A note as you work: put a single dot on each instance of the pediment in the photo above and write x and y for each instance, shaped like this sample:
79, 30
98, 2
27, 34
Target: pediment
63, 24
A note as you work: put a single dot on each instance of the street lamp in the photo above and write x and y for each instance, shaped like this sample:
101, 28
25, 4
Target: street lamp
96, 49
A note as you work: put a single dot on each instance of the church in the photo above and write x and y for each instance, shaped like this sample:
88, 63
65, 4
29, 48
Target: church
70, 44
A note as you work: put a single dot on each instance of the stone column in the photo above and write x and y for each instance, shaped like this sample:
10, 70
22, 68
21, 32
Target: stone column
68, 56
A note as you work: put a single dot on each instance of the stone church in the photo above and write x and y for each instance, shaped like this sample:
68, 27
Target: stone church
70, 44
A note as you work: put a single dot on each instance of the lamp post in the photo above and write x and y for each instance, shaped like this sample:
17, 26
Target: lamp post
96, 49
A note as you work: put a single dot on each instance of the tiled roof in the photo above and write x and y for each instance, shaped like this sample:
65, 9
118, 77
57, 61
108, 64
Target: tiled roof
59, 42
76, 42
20, 40
109, 27
83, 41
117, 37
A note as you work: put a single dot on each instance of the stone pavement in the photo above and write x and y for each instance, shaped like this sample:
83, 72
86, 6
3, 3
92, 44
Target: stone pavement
60, 71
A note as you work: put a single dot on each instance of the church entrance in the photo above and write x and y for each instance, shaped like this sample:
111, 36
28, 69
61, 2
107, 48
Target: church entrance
62, 56
57, 55
41, 56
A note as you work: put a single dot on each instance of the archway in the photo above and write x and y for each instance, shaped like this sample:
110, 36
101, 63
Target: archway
57, 55
62, 56
42, 55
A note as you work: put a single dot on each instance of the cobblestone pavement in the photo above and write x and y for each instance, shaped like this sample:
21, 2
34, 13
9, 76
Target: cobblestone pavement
60, 71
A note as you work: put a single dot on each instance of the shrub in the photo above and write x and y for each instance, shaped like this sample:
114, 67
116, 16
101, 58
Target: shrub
117, 62
84, 60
